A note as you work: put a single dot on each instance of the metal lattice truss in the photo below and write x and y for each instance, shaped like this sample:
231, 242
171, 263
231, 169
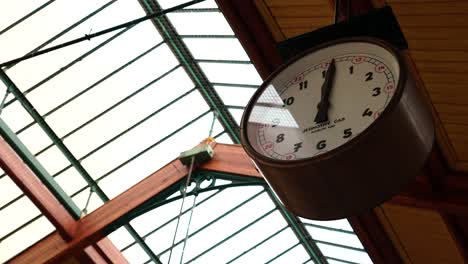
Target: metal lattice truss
93, 119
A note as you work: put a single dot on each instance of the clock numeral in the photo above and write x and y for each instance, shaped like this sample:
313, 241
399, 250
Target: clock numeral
297, 146
275, 122
280, 138
367, 112
351, 70
288, 101
324, 73
321, 144
377, 91
303, 85
369, 76
347, 133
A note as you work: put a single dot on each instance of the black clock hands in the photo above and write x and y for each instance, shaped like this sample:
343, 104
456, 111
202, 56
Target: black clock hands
324, 104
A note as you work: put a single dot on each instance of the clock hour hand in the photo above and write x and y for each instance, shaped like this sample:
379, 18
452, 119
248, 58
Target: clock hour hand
324, 104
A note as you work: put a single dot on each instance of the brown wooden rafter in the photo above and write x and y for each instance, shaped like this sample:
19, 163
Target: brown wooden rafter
102, 251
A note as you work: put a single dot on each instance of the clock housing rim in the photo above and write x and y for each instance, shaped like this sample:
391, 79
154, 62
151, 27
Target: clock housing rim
347, 145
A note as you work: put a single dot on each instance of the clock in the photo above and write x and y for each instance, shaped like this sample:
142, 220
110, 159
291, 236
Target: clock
338, 129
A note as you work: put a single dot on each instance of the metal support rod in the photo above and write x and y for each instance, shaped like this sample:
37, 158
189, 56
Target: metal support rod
102, 32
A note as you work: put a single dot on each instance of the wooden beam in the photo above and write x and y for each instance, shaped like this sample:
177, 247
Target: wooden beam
374, 238
89, 229
37, 192
231, 159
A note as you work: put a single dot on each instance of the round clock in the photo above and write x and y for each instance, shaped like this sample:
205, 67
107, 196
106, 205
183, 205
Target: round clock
339, 129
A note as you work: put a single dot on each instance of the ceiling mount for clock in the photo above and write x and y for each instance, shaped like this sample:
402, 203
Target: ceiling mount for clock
339, 128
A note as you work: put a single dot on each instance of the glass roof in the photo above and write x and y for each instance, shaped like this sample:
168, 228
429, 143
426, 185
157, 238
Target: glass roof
103, 114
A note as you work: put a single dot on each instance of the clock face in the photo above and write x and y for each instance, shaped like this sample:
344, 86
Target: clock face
322, 100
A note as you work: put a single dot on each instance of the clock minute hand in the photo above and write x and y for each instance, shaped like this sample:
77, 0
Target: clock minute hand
324, 104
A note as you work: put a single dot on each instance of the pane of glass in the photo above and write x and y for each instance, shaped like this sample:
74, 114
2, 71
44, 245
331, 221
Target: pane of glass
170, 3
216, 49
270, 248
338, 224
129, 113
344, 253
42, 26
17, 214
200, 23
237, 114
24, 238
8, 190
295, 255
53, 160
121, 238
223, 73
334, 237
70, 181
44, 65
15, 116
35, 139
241, 242
224, 138
112, 90
234, 96
135, 254
12, 12
93, 68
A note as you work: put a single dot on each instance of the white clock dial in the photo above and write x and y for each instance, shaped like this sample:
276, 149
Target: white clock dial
283, 125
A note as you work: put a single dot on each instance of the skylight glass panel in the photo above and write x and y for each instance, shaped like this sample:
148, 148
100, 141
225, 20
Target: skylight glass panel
236, 96
171, 3
11, 12
237, 114
12, 42
345, 254
21, 222
216, 49
208, 23
224, 73
9, 191
101, 18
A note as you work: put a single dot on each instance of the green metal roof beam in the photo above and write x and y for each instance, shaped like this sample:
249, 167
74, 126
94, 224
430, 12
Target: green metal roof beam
38, 169
181, 52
